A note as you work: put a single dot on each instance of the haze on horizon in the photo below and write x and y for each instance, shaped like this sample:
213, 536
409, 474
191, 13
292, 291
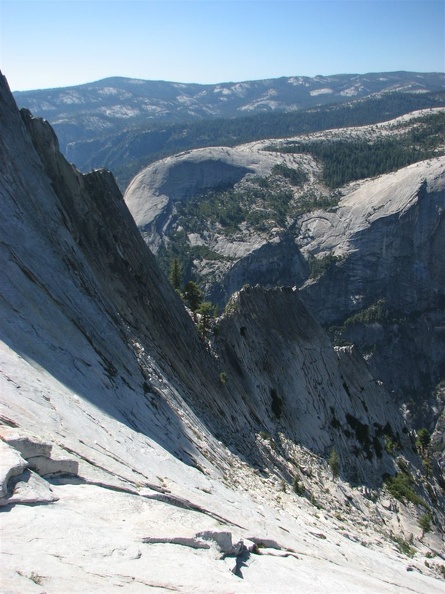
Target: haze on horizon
47, 44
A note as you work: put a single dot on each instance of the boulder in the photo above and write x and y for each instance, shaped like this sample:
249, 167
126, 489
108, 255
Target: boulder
11, 464
28, 488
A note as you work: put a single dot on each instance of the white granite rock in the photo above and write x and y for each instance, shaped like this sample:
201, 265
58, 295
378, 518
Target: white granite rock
29, 488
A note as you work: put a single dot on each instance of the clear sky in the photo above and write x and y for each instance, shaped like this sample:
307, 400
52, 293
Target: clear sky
65, 42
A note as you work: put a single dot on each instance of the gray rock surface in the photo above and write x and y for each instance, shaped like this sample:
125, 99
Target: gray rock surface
25, 462
28, 488
27, 444
309, 392
390, 232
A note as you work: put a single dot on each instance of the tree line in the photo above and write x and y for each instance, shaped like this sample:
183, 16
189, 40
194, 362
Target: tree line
127, 153
349, 160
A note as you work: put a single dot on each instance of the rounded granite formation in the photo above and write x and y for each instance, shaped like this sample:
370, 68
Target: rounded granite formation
153, 192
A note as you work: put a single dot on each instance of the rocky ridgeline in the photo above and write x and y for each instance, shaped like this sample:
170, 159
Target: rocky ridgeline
136, 455
313, 394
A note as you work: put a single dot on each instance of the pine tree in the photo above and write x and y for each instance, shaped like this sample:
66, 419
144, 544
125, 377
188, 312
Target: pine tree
175, 275
334, 463
193, 295
423, 440
425, 524
206, 310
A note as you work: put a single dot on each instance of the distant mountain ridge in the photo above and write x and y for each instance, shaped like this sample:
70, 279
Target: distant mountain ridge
128, 99
92, 119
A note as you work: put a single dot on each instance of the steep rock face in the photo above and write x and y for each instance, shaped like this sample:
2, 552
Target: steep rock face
79, 281
274, 263
313, 394
390, 232
389, 237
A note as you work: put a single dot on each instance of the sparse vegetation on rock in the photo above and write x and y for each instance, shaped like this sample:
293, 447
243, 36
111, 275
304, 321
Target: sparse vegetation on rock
425, 524
402, 487
297, 486
334, 463
423, 440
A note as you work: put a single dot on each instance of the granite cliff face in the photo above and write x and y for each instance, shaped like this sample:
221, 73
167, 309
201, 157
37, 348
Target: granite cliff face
171, 459
391, 233
310, 393
85, 278
386, 290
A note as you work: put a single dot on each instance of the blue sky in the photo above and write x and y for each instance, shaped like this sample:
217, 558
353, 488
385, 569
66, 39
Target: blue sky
63, 42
